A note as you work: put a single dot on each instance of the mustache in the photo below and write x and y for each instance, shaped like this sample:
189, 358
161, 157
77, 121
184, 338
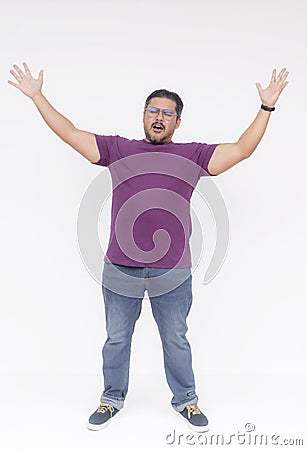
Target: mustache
158, 123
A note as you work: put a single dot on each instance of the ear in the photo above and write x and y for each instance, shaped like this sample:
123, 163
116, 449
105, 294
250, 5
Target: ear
178, 122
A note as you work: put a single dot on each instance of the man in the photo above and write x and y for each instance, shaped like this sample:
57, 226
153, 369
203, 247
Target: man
150, 228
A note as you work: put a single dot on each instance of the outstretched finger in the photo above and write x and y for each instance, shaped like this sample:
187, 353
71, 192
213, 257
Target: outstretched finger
17, 77
20, 72
281, 74
259, 87
273, 77
284, 85
27, 70
284, 76
13, 84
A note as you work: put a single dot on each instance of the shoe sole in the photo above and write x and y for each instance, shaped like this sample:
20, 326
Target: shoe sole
97, 427
198, 429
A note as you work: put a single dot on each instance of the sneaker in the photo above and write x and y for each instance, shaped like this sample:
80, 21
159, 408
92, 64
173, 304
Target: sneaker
101, 417
197, 421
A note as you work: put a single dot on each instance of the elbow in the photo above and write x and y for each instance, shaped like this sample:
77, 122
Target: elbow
245, 155
69, 136
244, 152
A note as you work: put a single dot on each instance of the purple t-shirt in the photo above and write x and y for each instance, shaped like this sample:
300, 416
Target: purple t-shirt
151, 190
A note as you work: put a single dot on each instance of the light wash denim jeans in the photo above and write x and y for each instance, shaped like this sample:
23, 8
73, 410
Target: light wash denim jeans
170, 309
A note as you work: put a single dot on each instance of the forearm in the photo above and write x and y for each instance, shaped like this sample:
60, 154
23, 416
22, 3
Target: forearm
56, 121
253, 135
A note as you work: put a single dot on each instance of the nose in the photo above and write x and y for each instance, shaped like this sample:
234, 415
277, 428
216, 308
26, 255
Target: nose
160, 114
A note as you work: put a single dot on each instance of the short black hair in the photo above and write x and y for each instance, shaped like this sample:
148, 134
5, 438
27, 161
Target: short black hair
164, 93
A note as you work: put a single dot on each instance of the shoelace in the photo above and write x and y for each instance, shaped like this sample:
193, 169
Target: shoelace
193, 409
104, 407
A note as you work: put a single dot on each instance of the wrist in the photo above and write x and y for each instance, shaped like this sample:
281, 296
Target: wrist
35, 97
267, 107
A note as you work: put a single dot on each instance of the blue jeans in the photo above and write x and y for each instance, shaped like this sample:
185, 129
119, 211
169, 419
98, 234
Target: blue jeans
170, 294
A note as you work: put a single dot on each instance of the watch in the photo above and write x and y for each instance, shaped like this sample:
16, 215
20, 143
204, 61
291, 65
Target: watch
268, 108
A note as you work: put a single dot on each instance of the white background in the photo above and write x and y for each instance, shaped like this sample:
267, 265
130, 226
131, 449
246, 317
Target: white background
247, 327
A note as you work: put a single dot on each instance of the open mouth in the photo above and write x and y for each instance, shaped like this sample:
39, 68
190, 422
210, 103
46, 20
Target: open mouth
158, 127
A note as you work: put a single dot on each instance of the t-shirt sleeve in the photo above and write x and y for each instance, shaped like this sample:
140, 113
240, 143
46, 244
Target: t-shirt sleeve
203, 155
104, 144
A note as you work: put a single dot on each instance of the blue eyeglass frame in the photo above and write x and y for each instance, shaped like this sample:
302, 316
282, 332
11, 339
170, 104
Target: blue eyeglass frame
165, 112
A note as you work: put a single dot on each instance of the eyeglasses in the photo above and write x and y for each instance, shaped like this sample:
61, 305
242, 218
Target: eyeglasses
168, 114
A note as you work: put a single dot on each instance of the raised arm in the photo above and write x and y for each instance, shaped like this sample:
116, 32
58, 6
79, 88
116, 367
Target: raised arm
82, 141
228, 154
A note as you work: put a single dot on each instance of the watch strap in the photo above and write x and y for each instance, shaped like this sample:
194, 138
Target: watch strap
268, 108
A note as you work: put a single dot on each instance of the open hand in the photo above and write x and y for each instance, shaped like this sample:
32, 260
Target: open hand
25, 81
269, 96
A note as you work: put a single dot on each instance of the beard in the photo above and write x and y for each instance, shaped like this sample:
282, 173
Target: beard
155, 139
